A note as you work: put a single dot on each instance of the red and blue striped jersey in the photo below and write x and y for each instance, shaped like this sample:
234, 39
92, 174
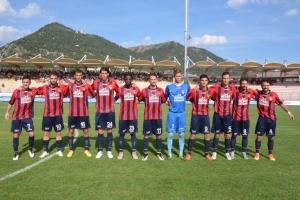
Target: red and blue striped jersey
222, 96
23, 100
105, 98
240, 105
78, 93
266, 104
53, 99
128, 103
153, 98
200, 100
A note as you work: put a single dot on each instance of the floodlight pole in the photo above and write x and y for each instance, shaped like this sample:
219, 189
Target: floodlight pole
186, 43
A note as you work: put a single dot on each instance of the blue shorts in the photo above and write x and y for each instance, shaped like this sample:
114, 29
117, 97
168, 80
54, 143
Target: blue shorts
79, 122
104, 121
176, 122
56, 122
200, 124
27, 124
240, 127
265, 126
128, 126
152, 127
221, 124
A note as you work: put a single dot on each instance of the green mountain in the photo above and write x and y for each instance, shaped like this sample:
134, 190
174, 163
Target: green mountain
55, 39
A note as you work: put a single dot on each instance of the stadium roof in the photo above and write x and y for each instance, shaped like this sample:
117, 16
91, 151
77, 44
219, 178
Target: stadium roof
272, 66
291, 67
167, 63
142, 63
204, 65
116, 62
91, 63
40, 62
248, 66
228, 65
15, 61
65, 62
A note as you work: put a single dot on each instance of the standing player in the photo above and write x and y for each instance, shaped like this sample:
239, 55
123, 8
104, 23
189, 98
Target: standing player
240, 116
22, 115
266, 123
153, 97
222, 96
128, 114
176, 94
53, 111
105, 111
200, 115
78, 111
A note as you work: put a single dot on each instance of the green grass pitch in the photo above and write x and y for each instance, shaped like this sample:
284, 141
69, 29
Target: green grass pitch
81, 177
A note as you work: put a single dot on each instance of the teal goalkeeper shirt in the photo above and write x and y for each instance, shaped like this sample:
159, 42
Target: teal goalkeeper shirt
176, 95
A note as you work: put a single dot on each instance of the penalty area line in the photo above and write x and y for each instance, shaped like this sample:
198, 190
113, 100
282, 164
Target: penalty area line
36, 163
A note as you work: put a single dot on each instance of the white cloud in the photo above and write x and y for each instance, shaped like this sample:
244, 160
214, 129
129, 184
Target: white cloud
6, 10
32, 9
10, 33
208, 40
147, 39
292, 12
236, 3
127, 44
228, 21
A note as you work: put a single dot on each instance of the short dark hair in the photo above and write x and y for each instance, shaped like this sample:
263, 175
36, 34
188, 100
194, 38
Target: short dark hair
243, 79
265, 81
152, 74
105, 69
79, 71
204, 76
54, 74
128, 74
225, 73
26, 77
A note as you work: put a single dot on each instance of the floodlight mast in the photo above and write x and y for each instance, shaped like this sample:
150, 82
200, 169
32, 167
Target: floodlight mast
186, 37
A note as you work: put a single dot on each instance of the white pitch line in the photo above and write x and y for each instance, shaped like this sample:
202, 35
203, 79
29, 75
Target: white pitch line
36, 163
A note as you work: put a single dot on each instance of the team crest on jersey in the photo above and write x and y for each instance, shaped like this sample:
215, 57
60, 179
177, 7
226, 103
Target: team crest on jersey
270, 99
183, 92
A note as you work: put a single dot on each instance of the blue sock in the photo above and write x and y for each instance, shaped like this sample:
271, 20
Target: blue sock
16, 144
170, 142
109, 141
244, 144
31, 142
71, 139
227, 145
146, 144
133, 142
46, 145
59, 145
270, 146
257, 145
215, 144
121, 142
100, 142
233, 142
158, 145
206, 146
181, 143
86, 141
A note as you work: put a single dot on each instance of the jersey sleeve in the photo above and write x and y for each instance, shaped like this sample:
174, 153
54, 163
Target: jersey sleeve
90, 91
142, 96
116, 88
138, 92
40, 90
191, 94
278, 101
163, 96
13, 98
167, 90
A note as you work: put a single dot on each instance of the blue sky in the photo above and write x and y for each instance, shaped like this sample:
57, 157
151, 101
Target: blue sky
237, 29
